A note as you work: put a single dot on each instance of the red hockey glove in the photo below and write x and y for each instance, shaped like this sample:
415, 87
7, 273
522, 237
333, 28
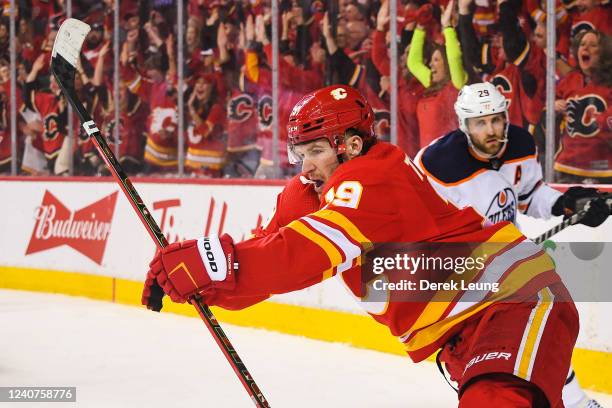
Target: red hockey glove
424, 15
194, 267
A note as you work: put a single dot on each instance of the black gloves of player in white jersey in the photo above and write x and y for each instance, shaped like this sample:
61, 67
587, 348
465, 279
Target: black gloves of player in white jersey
576, 198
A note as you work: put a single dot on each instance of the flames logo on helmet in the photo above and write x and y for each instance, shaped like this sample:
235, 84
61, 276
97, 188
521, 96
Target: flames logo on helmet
581, 115
240, 108
338, 94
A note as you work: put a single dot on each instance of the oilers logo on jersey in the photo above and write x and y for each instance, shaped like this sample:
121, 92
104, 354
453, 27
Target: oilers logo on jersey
502, 207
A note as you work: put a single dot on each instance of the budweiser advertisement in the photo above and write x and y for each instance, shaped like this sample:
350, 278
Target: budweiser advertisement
85, 230
90, 227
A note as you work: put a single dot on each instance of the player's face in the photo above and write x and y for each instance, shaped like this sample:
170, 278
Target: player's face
487, 132
319, 160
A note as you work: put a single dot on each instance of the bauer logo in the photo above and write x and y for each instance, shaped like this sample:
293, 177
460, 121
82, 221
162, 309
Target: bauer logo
85, 230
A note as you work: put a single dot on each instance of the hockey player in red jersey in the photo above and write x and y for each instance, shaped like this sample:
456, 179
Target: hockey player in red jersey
372, 193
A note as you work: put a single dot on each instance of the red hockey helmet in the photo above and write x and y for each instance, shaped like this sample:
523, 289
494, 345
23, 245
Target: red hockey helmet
328, 113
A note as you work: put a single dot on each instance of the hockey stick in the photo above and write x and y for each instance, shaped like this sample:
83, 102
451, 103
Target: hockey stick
574, 219
66, 51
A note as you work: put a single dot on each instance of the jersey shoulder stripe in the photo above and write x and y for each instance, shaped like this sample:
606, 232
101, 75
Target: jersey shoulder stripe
521, 145
449, 162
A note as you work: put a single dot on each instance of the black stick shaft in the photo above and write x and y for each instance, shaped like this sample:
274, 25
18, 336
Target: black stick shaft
65, 78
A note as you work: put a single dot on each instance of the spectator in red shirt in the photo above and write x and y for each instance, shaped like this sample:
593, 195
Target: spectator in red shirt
584, 98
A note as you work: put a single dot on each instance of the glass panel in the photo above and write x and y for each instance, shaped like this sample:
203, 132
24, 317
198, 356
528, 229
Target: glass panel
43, 148
213, 57
228, 84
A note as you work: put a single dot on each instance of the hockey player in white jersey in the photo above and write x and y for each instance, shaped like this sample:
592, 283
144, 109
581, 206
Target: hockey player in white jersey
491, 165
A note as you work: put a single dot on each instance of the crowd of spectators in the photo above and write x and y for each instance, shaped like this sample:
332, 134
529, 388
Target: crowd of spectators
442, 45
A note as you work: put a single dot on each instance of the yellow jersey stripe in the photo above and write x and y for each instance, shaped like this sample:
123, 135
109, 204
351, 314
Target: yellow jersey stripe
348, 249
507, 234
433, 333
158, 162
533, 332
159, 148
335, 258
351, 229
521, 58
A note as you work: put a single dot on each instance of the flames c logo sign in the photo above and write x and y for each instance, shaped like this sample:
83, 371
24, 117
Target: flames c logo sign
240, 108
338, 94
581, 113
51, 127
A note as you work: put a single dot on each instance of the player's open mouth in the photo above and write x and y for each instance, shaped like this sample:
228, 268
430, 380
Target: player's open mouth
318, 185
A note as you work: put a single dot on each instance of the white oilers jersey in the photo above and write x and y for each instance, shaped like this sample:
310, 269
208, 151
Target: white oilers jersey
496, 188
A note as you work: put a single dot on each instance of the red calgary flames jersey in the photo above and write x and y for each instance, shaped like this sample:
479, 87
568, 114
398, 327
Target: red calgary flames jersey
524, 109
585, 145
48, 106
380, 197
205, 142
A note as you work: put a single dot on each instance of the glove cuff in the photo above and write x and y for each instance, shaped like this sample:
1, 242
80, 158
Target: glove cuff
213, 257
557, 208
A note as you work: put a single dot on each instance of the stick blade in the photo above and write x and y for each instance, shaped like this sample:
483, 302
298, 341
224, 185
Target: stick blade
69, 40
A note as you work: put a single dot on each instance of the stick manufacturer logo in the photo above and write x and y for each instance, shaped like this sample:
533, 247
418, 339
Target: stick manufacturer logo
90, 127
85, 230
210, 256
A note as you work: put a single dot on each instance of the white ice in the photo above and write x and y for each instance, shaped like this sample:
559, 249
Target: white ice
123, 356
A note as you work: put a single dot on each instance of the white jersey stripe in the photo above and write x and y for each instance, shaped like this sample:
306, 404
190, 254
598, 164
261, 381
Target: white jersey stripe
493, 273
350, 250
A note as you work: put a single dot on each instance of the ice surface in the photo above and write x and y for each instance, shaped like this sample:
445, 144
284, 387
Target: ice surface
123, 356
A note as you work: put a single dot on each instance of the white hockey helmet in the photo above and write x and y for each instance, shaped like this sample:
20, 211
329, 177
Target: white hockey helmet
477, 100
